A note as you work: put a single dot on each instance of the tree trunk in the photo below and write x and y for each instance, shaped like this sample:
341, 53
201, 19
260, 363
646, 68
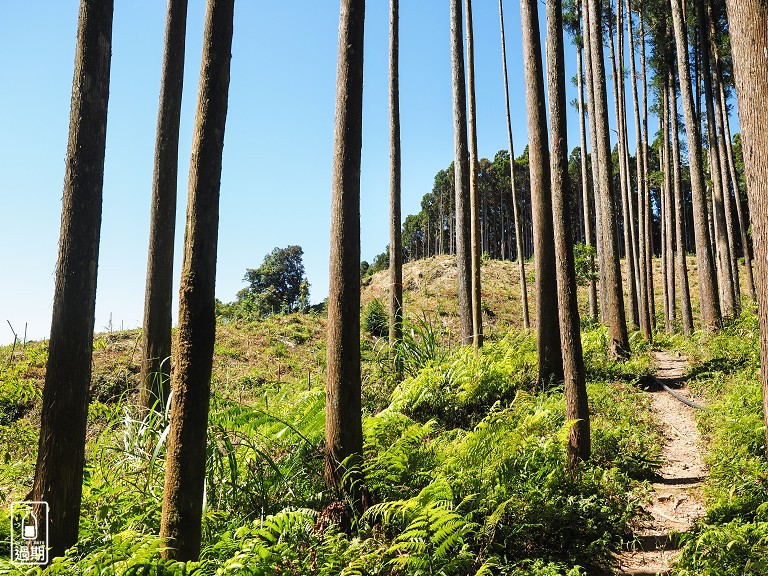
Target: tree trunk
728, 300
592, 290
395, 239
648, 250
550, 357
185, 466
601, 266
61, 449
576, 403
343, 416
724, 176
158, 299
710, 306
462, 176
743, 224
619, 344
631, 296
668, 215
477, 315
681, 263
749, 39
515, 201
642, 262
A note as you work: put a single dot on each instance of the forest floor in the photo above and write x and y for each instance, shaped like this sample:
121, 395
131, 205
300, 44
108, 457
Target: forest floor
675, 501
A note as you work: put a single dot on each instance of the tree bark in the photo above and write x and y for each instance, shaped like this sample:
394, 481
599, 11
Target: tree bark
749, 41
191, 381
645, 321
395, 235
576, 402
619, 344
61, 448
550, 357
680, 256
592, 289
343, 416
462, 176
710, 306
474, 203
668, 214
728, 299
515, 201
158, 298
648, 250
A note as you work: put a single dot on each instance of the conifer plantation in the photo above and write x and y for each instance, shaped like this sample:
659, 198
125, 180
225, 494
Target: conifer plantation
556, 366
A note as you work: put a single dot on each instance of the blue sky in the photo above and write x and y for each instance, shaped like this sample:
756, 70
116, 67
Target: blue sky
278, 146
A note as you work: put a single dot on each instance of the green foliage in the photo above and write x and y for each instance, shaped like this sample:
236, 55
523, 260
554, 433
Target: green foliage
376, 319
733, 537
585, 262
278, 285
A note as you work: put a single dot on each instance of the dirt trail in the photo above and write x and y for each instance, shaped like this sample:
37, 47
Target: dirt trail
676, 499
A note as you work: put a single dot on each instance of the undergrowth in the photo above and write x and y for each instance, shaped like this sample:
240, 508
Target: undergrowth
465, 461
732, 539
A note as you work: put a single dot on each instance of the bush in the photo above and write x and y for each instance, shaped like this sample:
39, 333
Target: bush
376, 319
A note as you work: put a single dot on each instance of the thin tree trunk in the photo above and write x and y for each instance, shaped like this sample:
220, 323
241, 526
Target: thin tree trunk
61, 448
681, 263
743, 225
648, 250
670, 207
617, 97
576, 402
550, 358
477, 315
462, 176
619, 344
749, 38
395, 238
724, 176
663, 210
601, 263
645, 321
728, 302
710, 306
343, 417
592, 290
180, 525
156, 334
515, 201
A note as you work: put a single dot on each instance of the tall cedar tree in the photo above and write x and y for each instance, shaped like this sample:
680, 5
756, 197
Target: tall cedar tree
61, 449
648, 251
185, 464
743, 225
668, 261
749, 38
461, 175
158, 297
343, 417
709, 302
728, 299
515, 200
617, 324
576, 404
585, 186
642, 263
681, 266
601, 266
474, 193
618, 100
550, 358
395, 232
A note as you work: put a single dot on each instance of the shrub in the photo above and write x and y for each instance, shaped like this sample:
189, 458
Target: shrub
376, 319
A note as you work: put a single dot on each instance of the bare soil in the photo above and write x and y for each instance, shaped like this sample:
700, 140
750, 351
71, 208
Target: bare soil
675, 502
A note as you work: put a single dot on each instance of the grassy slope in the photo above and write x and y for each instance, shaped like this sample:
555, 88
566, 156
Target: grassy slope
276, 367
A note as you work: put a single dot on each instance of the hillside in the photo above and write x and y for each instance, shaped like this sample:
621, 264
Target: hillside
466, 442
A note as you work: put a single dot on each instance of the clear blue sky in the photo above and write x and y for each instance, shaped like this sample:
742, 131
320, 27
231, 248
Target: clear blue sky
277, 154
